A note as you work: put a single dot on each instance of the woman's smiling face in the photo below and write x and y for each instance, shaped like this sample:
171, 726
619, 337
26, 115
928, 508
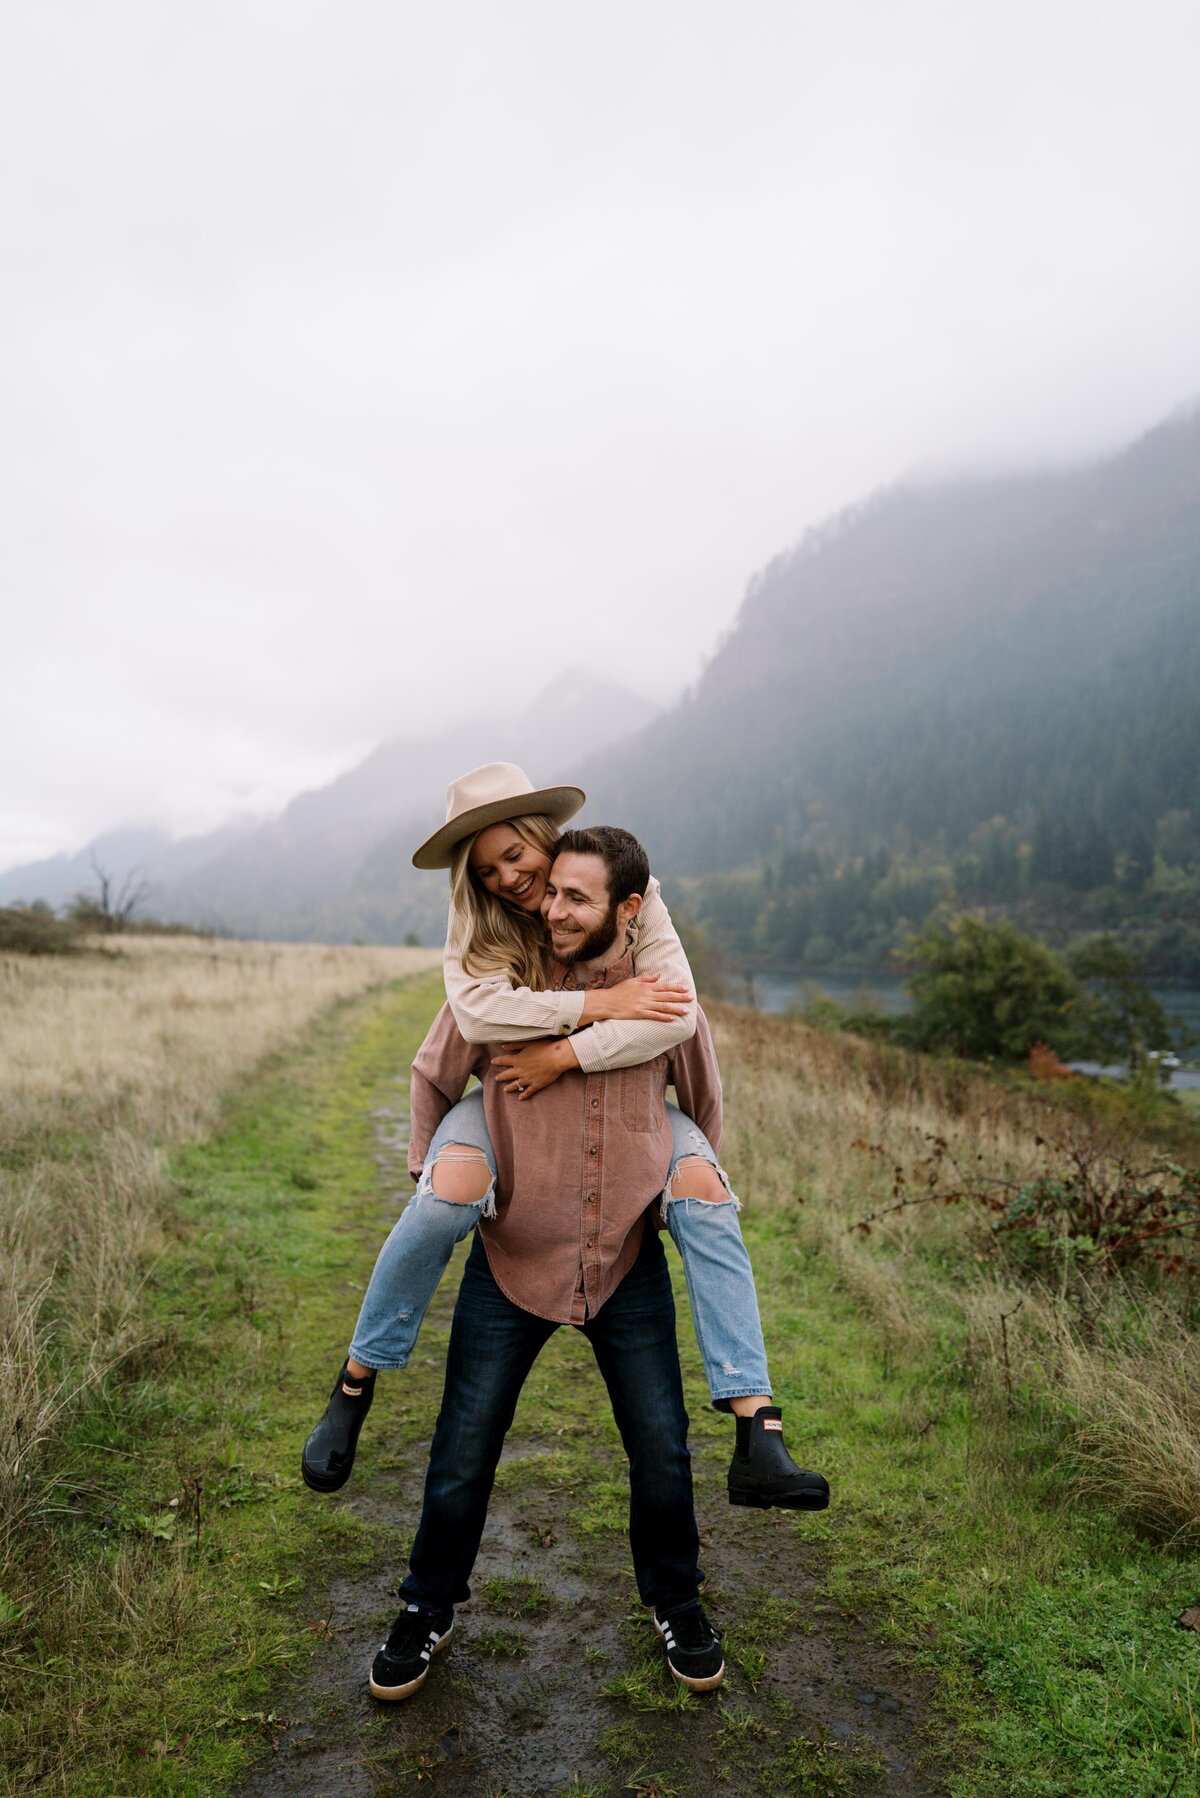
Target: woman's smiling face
509, 868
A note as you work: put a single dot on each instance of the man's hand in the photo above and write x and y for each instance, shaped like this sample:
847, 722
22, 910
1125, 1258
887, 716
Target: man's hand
526, 1070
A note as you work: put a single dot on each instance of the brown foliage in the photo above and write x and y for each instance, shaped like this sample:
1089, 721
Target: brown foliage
1044, 1064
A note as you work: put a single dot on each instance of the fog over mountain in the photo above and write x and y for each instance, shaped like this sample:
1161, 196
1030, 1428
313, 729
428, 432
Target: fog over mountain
335, 864
941, 653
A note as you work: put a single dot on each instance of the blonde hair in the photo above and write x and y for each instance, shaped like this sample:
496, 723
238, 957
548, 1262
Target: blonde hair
495, 938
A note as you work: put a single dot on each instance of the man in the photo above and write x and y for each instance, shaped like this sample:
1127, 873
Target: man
569, 1244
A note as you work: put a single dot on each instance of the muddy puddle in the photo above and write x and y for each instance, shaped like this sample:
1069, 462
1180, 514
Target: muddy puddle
553, 1682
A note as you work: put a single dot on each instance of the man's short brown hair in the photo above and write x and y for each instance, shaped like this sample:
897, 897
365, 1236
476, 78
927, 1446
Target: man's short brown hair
626, 862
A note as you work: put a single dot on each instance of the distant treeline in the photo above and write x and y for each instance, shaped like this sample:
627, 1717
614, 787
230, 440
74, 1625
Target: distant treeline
1055, 876
39, 930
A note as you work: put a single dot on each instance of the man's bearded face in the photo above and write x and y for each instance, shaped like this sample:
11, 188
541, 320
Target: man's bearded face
580, 912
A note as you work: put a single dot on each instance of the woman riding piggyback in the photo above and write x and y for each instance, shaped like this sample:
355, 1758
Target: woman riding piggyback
535, 916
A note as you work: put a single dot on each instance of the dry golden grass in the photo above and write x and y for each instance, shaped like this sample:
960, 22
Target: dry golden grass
105, 1060
1123, 1379
148, 1031
824, 1121
1136, 1438
817, 1094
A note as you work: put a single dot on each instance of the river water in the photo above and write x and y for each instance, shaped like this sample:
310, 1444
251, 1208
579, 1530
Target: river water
885, 992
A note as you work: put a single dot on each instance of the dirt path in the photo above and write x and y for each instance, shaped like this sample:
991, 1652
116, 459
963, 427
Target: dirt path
554, 1680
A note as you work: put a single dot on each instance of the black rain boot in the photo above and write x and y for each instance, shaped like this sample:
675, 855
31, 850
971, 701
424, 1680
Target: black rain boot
762, 1473
329, 1452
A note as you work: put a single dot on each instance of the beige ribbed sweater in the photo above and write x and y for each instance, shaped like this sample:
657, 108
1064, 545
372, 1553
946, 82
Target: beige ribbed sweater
493, 1010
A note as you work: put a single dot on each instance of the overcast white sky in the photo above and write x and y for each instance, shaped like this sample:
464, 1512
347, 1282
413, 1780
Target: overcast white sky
363, 364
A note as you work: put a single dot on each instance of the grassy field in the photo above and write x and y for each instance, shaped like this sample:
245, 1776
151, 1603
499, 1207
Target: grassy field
192, 1194
105, 1062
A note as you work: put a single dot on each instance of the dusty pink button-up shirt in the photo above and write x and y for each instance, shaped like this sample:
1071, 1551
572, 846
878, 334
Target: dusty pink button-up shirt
577, 1164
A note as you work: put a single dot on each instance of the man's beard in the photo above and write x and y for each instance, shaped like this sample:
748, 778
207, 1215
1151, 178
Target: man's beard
596, 942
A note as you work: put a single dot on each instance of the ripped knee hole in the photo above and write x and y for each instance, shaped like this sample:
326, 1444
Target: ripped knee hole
695, 1178
461, 1175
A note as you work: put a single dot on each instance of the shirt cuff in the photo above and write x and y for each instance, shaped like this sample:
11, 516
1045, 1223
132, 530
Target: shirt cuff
569, 1024
588, 1053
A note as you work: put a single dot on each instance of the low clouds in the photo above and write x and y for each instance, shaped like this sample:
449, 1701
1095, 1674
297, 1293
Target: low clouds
361, 367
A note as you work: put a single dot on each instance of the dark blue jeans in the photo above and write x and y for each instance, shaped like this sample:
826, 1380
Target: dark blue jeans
493, 1345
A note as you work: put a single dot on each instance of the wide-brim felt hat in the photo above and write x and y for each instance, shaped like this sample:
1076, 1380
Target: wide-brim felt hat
491, 795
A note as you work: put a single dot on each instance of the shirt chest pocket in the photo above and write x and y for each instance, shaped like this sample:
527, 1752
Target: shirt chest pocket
637, 1107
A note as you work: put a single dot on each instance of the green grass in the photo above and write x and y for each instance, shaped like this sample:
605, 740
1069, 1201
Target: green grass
496, 1642
515, 1596
761, 1621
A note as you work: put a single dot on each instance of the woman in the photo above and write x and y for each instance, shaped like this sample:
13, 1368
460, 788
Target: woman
498, 842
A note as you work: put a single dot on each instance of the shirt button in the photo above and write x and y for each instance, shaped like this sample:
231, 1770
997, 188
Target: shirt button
591, 1198
595, 1102
592, 1150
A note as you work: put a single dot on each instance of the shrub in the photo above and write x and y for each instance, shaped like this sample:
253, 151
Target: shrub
34, 930
1045, 1065
1121, 1019
987, 992
1096, 1208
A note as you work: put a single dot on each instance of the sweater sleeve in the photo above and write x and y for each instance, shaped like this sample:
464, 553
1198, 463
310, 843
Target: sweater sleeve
619, 1043
490, 1009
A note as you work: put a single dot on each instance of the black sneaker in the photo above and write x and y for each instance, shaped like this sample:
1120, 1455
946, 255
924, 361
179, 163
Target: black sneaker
762, 1472
400, 1667
693, 1647
329, 1452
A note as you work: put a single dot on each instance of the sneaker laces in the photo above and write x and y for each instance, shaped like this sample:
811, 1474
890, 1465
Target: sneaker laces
691, 1628
412, 1630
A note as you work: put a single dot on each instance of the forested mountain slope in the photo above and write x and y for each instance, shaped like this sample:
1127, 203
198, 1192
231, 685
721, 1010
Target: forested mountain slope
943, 654
976, 688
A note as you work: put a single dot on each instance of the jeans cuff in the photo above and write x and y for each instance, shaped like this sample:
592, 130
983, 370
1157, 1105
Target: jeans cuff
377, 1363
720, 1400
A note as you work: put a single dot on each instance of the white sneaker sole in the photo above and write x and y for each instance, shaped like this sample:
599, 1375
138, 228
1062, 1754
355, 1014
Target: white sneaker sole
392, 1693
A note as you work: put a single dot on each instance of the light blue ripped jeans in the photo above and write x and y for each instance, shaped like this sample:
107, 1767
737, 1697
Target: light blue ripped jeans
706, 1232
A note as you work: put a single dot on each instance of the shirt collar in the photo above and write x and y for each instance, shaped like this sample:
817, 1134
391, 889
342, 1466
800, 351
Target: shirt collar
560, 975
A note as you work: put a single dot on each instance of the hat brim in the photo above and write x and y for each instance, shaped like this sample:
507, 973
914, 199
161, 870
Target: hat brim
558, 803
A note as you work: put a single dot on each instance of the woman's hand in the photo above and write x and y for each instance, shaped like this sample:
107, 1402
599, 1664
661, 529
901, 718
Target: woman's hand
526, 1070
640, 1000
